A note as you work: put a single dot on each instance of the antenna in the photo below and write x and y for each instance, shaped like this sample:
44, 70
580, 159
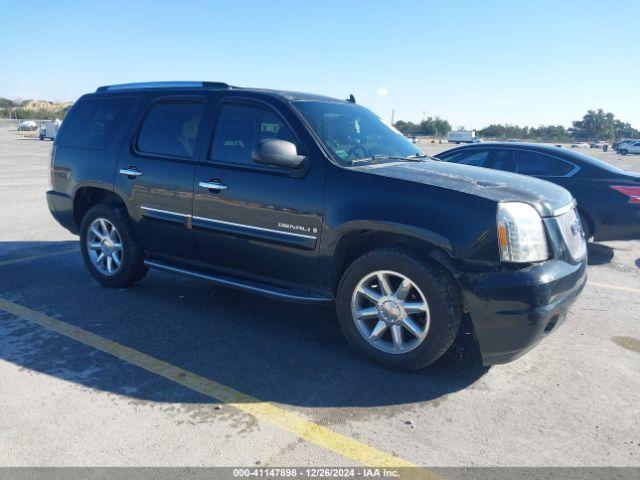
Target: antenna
351, 98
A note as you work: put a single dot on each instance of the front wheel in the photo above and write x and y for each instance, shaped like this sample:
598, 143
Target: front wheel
624, 151
586, 227
398, 310
109, 248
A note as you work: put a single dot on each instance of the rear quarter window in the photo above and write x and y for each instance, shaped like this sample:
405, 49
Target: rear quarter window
93, 122
531, 163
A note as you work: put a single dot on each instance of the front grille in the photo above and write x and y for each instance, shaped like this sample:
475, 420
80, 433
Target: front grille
572, 233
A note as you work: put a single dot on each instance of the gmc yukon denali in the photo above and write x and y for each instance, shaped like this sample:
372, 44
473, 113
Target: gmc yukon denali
313, 199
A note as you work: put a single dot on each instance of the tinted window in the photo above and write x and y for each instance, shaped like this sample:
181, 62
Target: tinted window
581, 158
468, 157
504, 160
239, 129
531, 163
93, 122
171, 128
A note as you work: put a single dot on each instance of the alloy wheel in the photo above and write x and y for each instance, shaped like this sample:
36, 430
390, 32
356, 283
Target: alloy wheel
104, 247
390, 312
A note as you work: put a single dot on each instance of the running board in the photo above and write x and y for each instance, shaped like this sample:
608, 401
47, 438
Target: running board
226, 282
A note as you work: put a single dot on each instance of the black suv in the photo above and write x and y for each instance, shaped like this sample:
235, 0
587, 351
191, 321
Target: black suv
313, 199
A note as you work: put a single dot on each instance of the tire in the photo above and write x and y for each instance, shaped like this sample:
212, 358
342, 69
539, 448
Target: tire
131, 267
624, 151
586, 226
430, 283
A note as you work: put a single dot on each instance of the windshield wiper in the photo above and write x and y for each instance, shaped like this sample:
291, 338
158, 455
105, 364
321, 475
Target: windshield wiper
413, 158
420, 156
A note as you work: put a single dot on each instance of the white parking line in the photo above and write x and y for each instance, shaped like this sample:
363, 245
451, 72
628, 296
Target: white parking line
614, 287
300, 426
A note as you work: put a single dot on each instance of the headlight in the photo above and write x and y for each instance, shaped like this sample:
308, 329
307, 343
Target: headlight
521, 234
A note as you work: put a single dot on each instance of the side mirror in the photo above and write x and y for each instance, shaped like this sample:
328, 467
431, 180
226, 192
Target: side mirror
279, 153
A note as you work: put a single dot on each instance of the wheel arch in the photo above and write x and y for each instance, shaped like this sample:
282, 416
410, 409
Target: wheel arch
355, 243
87, 197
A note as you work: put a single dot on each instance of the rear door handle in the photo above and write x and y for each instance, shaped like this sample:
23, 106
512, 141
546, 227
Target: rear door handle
131, 172
212, 185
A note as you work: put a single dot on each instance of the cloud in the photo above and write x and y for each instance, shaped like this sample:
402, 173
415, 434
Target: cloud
383, 92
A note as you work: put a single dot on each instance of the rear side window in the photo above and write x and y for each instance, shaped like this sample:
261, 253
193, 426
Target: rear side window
469, 157
93, 122
239, 129
170, 128
530, 163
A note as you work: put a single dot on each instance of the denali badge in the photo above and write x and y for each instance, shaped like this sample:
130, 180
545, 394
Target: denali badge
299, 228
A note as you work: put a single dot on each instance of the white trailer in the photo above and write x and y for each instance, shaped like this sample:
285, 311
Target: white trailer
463, 136
49, 129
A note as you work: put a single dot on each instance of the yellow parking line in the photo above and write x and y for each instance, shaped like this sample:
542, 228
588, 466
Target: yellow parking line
310, 431
37, 256
615, 287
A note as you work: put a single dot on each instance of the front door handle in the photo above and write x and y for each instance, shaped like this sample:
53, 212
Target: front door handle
213, 185
131, 172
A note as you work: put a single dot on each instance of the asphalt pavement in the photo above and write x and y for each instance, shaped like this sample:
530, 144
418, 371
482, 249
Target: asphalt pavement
178, 372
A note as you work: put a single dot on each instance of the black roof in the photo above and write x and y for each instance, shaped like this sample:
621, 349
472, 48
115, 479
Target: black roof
199, 85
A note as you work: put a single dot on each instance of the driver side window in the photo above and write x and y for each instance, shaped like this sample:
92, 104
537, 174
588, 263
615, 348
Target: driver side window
240, 128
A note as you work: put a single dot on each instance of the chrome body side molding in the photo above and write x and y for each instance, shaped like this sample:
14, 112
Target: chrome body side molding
239, 285
298, 240
165, 215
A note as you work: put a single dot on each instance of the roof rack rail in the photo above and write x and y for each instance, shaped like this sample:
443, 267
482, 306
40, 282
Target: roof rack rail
135, 86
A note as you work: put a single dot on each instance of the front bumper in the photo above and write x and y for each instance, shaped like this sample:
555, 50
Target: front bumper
512, 310
61, 207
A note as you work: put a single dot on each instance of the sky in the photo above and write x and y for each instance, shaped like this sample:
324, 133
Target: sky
471, 62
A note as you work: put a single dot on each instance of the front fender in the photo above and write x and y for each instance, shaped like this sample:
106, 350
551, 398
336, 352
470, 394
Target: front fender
415, 232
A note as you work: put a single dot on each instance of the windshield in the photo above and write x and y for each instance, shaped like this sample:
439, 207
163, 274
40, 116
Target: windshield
353, 133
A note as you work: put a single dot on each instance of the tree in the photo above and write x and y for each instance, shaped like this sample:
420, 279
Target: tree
595, 125
433, 126
407, 128
624, 130
6, 103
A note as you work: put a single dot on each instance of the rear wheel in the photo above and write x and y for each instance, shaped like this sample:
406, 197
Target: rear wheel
397, 310
110, 251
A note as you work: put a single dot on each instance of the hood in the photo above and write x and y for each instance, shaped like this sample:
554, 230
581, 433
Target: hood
494, 185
